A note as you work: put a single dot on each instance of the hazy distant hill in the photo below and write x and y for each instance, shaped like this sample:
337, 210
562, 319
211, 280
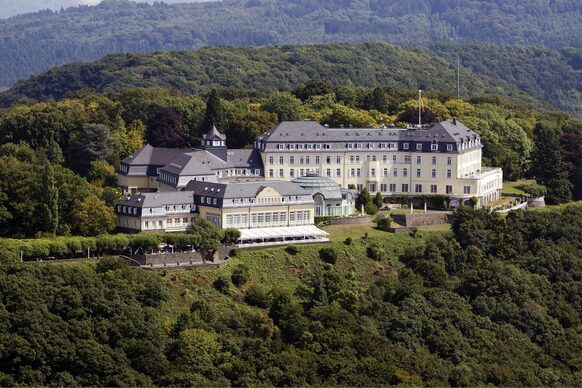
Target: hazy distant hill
35, 42
10, 8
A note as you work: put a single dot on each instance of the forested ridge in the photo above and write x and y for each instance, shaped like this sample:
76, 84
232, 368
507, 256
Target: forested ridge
522, 73
496, 303
12, 8
33, 43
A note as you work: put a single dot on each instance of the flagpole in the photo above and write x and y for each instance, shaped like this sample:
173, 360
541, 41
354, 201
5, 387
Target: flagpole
419, 107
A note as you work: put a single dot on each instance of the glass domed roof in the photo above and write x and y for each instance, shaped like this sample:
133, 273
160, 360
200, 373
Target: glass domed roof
316, 184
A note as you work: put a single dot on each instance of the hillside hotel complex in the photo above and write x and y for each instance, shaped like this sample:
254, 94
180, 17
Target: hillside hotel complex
302, 159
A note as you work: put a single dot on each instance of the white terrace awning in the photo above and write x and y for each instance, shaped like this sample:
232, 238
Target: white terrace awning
307, 231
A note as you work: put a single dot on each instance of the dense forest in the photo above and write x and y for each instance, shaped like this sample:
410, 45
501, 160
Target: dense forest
496, 303
33, 43
544, 74
70, 148
12, 8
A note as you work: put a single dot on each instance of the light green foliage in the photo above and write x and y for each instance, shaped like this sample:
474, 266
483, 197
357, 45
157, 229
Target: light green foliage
286, 106
208, 237
91, 216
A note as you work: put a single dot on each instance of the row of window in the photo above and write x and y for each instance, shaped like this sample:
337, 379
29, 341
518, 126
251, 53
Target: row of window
353, 159
237, 220
239, 172
418, 188
434, 146
355, 172
170, 222
165, 177
208, 201
250, 201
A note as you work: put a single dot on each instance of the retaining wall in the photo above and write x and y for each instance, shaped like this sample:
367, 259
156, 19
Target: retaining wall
421, 219
179, 258
349, 220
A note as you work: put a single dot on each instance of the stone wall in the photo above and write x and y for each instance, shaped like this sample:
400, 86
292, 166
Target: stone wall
350, 220
179, 258
421, 219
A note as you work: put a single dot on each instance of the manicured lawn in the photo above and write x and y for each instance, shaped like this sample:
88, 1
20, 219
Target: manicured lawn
515, 187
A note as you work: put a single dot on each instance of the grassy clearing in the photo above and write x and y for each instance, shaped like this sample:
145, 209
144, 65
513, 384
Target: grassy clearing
515, 188
274, 267
551, 208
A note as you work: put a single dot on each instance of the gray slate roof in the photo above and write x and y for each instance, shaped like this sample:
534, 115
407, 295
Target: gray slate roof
451, 131
243, 189
213, 134
202, 162
159, 199
149, 155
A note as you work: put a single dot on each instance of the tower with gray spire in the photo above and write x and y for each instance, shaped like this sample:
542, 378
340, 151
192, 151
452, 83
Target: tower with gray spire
215, 143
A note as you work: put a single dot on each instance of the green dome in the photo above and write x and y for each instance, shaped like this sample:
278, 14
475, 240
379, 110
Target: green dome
316, 184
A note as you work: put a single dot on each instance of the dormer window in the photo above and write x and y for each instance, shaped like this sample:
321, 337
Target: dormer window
434, 146
405, 146
419, 146
449, 147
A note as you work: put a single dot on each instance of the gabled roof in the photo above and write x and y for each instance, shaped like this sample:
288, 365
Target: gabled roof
243, 189
244, 158
149, 155
213, 134
450, 131
202, 162
147, 200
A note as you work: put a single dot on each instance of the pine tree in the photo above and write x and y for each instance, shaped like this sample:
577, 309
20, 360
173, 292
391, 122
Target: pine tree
379, 200
363, 198
547, 164
50, 205
214, 115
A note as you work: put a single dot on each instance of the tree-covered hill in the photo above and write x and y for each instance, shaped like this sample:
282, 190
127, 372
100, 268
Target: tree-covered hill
261, 69
545, 74
12, 8
495, 303
35, 42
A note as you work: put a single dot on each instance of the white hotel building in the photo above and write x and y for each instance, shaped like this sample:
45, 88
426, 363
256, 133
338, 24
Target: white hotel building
441, 158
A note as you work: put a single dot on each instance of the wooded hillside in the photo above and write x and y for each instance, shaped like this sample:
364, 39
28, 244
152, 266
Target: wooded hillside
35, 42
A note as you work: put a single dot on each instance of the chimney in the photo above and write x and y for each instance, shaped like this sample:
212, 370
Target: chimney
454, 121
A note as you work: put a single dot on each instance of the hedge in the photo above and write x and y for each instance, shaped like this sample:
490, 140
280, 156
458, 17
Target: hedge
66, 247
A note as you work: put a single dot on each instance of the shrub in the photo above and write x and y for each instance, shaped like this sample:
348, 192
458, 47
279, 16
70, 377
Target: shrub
385, 224
109, 264
230, 236
144, 242
292, 249
370, 208
413, 232
348, 241
37, 248
58, 247
222, 284
258, 295
535, 190
375, 252
329, 255
233, 252
240, 275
